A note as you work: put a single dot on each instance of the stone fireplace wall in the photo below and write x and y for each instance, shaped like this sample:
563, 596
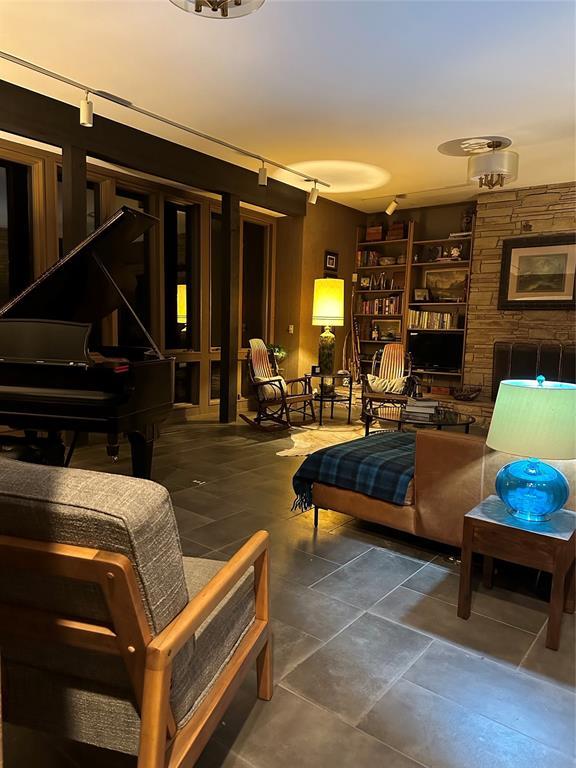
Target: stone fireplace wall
503, 214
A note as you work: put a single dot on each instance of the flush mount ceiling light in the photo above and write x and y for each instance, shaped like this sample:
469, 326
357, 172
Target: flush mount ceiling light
490, 162
219, 9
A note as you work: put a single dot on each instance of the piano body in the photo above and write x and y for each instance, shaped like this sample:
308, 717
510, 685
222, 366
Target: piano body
52, 381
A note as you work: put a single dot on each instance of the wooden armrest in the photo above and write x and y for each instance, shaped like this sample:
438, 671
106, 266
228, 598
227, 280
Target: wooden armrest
162, 649
303, 379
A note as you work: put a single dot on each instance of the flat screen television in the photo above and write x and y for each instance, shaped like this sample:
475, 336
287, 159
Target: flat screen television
436, 351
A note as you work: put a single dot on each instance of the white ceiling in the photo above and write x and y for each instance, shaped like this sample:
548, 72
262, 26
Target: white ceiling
370, 81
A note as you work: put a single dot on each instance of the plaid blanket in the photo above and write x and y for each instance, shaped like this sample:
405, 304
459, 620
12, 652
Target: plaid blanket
380, 465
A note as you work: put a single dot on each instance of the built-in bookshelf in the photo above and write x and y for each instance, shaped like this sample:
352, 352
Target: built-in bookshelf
414, 287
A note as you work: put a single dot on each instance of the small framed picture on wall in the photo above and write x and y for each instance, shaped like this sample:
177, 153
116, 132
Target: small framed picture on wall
331, 262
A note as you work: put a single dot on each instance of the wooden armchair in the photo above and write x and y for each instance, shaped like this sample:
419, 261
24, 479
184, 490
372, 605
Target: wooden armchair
391, 365
277, 398
107, 634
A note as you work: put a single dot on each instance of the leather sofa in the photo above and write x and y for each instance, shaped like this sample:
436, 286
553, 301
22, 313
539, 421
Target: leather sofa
453, 473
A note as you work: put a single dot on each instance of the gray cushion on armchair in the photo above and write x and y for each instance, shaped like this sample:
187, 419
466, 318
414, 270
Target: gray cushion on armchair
79, 694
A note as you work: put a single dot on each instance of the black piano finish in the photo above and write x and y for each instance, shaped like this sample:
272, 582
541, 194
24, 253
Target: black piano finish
50, 379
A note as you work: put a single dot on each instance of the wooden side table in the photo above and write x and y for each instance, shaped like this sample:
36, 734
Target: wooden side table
491, 531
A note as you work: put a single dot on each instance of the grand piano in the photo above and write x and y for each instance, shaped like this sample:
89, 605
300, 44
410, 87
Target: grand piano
52, 380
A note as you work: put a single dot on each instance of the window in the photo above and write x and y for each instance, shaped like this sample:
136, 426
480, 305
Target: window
216, 245
187, 383
254, 278
16, 266
136, 261
182, 276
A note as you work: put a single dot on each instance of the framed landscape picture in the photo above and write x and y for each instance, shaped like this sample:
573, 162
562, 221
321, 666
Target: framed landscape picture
388, 329
446, 284
538, 272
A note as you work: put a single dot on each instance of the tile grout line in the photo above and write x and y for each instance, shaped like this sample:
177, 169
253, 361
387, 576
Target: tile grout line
350, 725
483, 615
491, 719
532, 644
395, 679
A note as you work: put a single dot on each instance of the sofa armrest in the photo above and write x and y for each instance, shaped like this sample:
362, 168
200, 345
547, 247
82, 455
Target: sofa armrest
450, 478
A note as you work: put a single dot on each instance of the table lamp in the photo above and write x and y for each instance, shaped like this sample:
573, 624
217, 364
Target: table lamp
328, 310
533, 419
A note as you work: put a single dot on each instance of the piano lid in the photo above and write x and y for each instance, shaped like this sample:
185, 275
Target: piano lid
76, 288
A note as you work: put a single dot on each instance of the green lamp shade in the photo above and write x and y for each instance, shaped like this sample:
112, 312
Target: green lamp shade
535, 418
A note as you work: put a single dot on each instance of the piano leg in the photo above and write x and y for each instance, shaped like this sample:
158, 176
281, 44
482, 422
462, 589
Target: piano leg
142, 447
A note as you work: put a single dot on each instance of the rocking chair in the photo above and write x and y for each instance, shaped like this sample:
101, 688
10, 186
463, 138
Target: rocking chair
389, 383
277, 398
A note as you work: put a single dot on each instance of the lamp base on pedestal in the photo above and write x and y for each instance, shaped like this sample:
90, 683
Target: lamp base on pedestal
532, 490
326, 351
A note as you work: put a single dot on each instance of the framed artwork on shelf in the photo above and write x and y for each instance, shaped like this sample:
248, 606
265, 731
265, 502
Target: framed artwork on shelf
538, 272
387, 329
331, 259
446, 284
365, 283
421, 294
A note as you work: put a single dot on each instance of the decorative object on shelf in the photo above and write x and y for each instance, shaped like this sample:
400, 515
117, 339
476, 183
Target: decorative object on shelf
538, 272
331, 259
328, 310
219, 9
401, 259
278, 351
446, 284
533, 419
466, 394
374, 233
365, 283
456, 252
387, 329
386, 261
375, 336
421, 294
396, 231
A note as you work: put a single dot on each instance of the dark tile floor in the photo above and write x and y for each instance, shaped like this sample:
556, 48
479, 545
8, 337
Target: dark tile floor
372, 665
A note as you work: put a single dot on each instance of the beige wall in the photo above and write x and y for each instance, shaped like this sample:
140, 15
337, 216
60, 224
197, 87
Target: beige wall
301, 244
512, 213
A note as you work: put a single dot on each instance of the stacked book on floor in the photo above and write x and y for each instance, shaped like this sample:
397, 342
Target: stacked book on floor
420, 410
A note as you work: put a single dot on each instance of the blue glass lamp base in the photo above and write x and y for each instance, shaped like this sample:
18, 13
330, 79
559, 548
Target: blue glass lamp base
531, 489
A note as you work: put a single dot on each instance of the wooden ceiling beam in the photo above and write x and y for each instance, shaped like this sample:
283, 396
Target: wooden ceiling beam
34, 116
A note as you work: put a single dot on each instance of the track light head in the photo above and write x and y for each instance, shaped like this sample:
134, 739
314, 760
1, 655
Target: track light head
313, 196
263, 176
86, 111
392, 207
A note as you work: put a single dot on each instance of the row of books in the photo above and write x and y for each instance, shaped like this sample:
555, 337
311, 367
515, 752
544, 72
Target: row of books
436, 321
392, 305
420, 410
367, 258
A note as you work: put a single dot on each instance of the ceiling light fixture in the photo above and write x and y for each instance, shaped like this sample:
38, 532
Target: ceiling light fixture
313, 196
392, 207
495, 168
166, 120
263, 176
219, 9
86, 111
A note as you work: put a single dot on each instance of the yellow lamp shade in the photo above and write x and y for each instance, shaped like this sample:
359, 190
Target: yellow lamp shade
181, 305
535, 419
328, 308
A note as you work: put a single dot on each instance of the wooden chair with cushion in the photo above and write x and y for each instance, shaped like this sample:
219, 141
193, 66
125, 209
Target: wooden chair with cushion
108, 635
390, 380
277, 398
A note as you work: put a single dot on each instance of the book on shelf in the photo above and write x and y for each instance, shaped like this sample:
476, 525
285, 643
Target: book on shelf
433, 321
389, 305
